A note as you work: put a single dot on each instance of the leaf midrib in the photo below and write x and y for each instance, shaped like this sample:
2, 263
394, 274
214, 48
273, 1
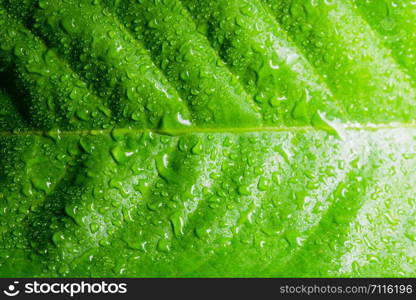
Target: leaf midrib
194, 130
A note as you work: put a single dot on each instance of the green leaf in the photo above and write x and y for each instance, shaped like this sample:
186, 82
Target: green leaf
188, 138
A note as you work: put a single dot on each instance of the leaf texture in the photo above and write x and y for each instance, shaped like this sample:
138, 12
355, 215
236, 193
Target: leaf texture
190, 138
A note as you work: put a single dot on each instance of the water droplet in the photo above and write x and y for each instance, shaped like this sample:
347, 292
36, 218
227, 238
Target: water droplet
58, 238
43, 3
300, 110
320, 121
54, 134
292, 237
263, 184
244, 190
162, 166
82, 114
276, 101
177, 224
197, 148
72, 211
94, 227
163, 245
119, 154
86, 145
183, 121
42, 184
68, 24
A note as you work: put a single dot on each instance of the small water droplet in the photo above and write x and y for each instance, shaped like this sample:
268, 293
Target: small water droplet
244, 190
177, 224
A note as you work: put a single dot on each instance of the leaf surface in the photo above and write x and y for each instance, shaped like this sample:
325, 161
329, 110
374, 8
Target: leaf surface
239, 138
